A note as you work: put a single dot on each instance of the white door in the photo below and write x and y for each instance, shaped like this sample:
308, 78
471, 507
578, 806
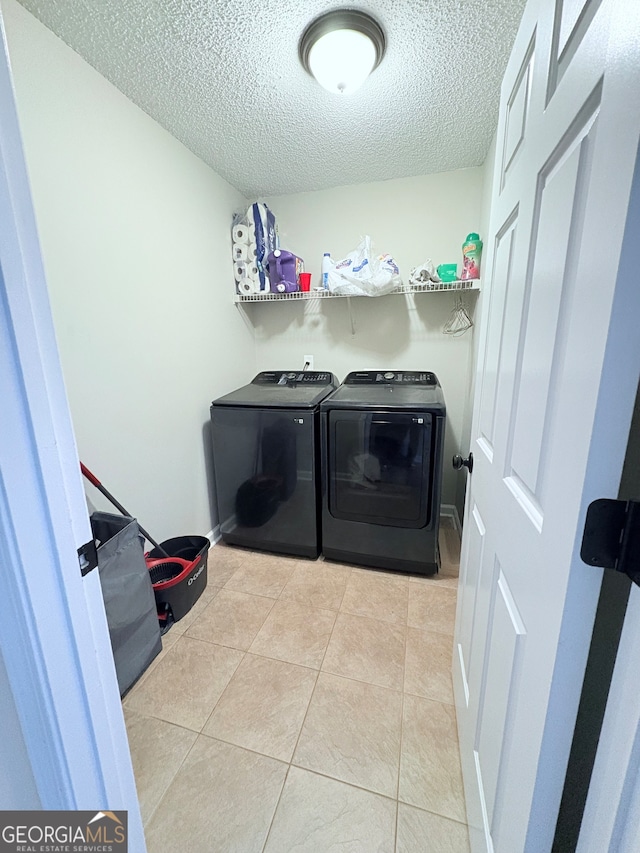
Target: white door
559, 363
56, 658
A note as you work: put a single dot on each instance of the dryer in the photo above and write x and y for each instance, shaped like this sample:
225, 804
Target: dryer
266, 461
382, 445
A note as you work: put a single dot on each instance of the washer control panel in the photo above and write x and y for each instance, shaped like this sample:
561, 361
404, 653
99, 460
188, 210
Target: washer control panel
289, 377
391, 377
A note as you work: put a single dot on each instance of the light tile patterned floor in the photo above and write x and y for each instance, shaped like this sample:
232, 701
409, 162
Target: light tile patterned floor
303, 706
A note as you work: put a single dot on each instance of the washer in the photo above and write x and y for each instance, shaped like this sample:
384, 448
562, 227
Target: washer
266, 461
382, 443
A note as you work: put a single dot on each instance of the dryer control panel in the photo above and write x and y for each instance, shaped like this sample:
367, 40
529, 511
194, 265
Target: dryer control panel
391, 377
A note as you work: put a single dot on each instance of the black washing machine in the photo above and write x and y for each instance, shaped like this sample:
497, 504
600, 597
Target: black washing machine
382, 443
266, 461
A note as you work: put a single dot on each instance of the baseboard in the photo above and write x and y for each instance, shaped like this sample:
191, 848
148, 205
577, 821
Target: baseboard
214, 535
451, 511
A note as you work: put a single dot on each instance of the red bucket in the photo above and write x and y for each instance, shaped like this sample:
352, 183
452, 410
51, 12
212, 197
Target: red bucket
178, 580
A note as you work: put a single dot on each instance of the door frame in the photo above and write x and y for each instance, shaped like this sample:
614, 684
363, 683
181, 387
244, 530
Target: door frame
53, 632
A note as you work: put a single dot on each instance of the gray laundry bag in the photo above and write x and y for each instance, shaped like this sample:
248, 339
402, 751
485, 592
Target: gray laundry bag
128, 595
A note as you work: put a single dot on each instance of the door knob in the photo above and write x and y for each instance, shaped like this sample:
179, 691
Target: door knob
458, 462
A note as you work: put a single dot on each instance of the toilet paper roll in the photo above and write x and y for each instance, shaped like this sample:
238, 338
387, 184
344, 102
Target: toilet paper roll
252, 250
241, 233
253, 272
240, 271
241, 252
248, 286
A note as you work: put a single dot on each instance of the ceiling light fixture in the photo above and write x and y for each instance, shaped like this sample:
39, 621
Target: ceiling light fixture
341, 48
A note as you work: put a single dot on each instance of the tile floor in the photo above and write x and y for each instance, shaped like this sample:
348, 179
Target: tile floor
303, 706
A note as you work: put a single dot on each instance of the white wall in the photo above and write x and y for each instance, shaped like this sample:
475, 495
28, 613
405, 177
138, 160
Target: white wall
135, 237
413, 219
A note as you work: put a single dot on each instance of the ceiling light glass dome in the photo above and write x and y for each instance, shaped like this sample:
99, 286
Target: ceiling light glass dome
340, 49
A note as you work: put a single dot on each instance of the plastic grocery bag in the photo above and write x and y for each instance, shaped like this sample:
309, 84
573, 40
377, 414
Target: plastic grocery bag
361, 273
424, 274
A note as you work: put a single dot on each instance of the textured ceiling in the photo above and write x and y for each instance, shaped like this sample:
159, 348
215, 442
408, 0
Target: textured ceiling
223, 77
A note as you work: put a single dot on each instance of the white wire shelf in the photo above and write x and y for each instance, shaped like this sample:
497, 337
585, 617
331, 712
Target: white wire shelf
429, 287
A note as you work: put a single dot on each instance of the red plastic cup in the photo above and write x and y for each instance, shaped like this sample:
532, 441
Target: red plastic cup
305, 281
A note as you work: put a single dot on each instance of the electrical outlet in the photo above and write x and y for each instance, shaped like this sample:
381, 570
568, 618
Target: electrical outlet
308, 360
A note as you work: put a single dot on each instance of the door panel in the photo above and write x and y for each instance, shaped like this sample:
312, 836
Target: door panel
482, 596
469, 581
555, 224
572, 22
517, 112
500, 285
506, 635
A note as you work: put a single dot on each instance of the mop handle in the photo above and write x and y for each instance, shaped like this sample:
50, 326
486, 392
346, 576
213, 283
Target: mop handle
96, 482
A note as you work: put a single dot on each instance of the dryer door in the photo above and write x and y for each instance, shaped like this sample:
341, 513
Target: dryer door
380, 467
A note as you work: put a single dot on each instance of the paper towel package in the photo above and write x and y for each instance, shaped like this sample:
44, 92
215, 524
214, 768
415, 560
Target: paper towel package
254, 237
